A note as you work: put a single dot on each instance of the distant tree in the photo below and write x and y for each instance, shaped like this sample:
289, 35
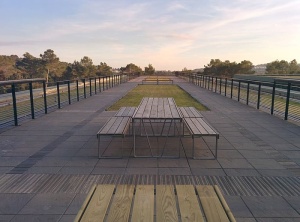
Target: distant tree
8, 69
278, 67
294, 67
149, 70
132, 69
30, 66
50, 62
104, 70
228, 69
88, 67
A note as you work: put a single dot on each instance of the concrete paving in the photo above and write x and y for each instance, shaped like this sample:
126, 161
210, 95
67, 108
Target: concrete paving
47, 165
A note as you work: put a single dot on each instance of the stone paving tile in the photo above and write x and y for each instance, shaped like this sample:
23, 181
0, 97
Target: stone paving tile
76, 204
205, 164
266, 164
174, 171
145, 162
241, 172
173, 163
43, 170
144, 170
108, 170
234, 163
35, 218
67, 218
13, 203
84, 162
75, 170
294, 202
269, 207
48, 203
207, 172
5, 218
230, 154
237, 205
112, 162
277, 219
280, 173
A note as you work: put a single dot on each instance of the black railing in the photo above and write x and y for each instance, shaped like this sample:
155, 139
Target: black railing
281, 97
31, 97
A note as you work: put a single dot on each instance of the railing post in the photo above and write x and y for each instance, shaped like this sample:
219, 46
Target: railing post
91, 87
58, 95
103, 83
69, 91
273, 97
84, 89
77, 89
99, 84
95, 85
208, 82
45, 97
287, 101
31, 100
225, 87
248, 90
220, 85
13, 93
231, 88
258, 95
239, 90
216, 85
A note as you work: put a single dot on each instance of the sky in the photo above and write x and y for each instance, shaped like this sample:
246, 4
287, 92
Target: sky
170, 35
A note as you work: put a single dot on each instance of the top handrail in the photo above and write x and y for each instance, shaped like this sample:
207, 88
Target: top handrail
21, 81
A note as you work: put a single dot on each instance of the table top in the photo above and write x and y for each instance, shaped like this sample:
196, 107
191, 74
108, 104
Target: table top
157, 108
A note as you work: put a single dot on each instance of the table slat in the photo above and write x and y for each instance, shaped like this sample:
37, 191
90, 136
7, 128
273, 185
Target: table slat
166, 210
143, 208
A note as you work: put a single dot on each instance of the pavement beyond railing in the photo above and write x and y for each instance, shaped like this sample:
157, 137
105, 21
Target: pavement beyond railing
280, 98
29, 98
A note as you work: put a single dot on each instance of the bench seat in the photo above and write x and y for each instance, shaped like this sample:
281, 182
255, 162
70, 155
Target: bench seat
126, 111
189, 112
199, 127
125, 202
116, 126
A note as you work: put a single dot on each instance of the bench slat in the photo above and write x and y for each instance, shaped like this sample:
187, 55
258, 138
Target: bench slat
195, 112
211, 204
199, 127
115, 126
143, 208
166, 204
147, 109
120, 208
99, 203
131, 111
188, 203
107, 126
120, 111
123, 126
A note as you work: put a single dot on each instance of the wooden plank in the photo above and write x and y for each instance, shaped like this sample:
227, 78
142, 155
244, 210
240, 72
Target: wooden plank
166, 210
189, 112
147, 109
120, 111
115, 125
183, 112
160, 108
123, 126
206, 126
85, 204
120, 207
195, 112
98, 204
224, 204
105, 129
167, 109
211, 204
143, 208
191, 126
131, 112
188, 203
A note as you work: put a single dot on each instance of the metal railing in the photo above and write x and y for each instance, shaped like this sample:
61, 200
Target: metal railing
29, 98
280, 98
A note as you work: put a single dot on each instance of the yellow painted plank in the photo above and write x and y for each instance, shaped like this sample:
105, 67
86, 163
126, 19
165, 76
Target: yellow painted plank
188, 203
225, 205
143, 208
211, 204
120, 208
98, 204
166, 210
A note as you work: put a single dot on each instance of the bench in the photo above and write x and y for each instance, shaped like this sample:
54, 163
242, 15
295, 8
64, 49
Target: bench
198, 127
157, 81
144, 202
116, 126
189, 112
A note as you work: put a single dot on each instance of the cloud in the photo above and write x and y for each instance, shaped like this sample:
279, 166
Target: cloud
176, 6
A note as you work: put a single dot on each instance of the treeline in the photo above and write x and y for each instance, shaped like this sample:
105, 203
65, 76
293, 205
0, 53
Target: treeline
49, 66
216, 67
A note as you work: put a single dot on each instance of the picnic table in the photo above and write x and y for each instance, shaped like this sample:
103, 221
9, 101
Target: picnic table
156, 117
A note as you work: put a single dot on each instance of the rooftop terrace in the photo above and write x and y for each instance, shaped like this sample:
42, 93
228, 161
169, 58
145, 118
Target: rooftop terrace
48, 165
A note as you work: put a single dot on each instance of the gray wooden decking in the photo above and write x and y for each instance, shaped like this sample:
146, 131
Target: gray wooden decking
47, 165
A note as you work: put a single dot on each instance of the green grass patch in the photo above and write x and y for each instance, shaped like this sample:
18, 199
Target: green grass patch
134, 97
